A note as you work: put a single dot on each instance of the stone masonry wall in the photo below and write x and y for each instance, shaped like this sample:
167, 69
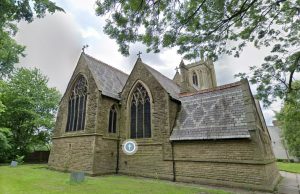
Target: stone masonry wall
105, 156
240, 150
229, 174
106, 144
79, 144
148, 161
72, 154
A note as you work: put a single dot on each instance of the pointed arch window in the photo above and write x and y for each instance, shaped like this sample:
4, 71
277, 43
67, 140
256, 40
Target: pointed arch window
77, 105
195, 79
112, 125
140, 109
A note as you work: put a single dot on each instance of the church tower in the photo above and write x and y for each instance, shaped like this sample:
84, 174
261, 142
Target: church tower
195, 76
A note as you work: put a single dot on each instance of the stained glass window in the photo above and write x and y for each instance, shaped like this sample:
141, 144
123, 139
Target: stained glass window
195, 79
77, 106
140, 122
112, 128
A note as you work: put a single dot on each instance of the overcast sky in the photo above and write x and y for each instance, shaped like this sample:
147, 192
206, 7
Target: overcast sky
53, 44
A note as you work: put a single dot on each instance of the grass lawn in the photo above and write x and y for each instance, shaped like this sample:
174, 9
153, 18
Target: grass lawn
289, 167
37, 179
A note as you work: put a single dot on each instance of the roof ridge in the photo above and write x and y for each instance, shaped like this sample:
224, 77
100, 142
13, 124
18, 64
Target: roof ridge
222, 87
105, 64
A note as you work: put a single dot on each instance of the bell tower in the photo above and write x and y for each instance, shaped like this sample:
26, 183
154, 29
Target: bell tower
196, 76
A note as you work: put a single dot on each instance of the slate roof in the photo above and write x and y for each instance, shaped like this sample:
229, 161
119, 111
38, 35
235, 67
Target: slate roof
169, 85
217, 113
110, 81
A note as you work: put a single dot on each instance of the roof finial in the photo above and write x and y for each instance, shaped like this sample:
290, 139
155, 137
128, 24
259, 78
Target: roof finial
84, 47
177, 68
139, 54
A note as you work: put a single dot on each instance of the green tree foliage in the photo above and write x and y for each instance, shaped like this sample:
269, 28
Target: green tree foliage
201, 28
5, 147
12, 11
275, 77
30, 109
289, 121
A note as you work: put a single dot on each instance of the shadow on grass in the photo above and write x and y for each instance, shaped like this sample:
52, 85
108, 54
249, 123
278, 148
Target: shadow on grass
40, 167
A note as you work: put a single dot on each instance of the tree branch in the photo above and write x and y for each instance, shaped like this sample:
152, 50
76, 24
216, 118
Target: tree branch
295, 65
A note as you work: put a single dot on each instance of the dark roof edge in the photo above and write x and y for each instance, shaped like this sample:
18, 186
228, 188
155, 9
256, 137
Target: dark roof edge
222, 87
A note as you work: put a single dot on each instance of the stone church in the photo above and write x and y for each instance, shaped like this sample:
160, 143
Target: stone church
187, 129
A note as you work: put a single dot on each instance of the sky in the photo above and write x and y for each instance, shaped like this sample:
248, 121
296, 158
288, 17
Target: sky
54, 43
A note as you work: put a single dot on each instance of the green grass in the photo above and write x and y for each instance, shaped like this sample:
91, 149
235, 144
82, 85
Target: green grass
289, 167
37, 179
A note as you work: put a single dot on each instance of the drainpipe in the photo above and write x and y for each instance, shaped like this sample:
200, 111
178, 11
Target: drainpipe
172, 142
173, 162
119, 139
118, 155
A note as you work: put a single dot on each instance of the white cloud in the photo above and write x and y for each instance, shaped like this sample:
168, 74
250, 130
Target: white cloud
90, 33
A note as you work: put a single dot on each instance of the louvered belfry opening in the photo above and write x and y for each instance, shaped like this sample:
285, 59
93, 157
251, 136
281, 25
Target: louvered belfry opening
112, 125
140, 112
195, 79
77, 105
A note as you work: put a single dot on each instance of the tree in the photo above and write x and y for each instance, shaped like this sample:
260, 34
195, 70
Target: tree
289, 121
201, 28
13, 11
5, 147
30, 109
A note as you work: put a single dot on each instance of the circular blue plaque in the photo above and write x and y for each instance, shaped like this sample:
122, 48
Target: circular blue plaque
129, 147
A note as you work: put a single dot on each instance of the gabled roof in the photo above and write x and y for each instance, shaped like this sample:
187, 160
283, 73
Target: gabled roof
217, 113
170, 86
110, 81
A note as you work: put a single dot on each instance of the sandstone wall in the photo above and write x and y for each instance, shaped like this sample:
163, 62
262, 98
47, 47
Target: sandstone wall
148, 161
73, 154
105, 156
75, 150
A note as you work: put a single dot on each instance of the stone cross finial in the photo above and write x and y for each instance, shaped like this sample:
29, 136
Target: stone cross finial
139, 54
84, 47
177, 68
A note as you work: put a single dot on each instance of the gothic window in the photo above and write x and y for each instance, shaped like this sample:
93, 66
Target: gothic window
195, 79
140, 113
112, 120
77, 106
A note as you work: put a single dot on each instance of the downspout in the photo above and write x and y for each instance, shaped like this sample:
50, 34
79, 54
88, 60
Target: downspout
172, 143
173, 162
118, 142
118, 154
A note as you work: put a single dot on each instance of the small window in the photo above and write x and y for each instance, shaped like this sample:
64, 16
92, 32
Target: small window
195, 79
112, 120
